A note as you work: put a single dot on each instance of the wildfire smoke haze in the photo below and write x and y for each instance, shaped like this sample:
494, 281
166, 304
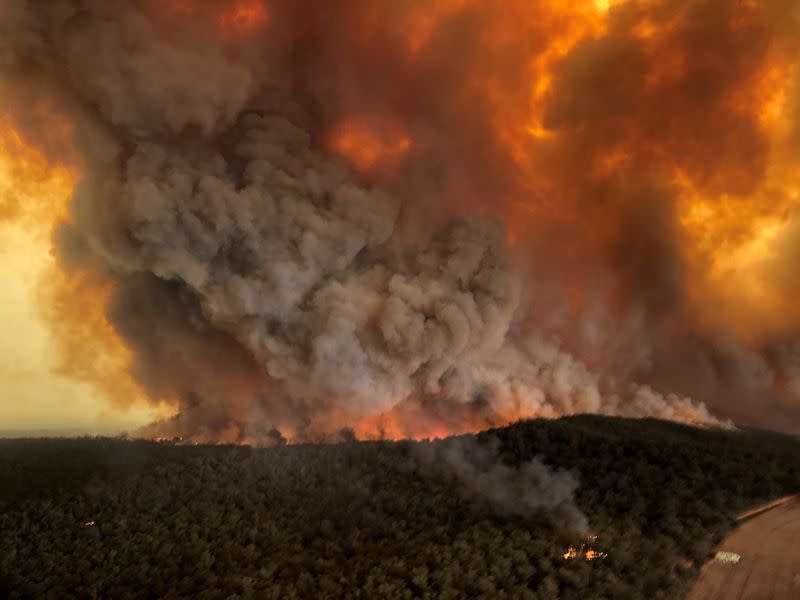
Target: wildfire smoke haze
303, 221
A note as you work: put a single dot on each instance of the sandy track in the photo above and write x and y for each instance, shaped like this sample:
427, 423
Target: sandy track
769, 545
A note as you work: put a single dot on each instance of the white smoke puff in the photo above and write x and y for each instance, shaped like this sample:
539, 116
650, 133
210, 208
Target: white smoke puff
482, 476
533, 377
376, 332
458, 305
264, 247
646, 402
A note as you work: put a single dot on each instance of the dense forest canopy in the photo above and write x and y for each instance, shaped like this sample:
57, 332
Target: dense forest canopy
135, 519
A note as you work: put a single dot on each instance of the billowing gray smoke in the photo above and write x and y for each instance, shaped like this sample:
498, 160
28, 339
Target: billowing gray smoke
260, 282
481, 476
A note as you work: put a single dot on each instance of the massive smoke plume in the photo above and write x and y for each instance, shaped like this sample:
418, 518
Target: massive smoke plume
409, 219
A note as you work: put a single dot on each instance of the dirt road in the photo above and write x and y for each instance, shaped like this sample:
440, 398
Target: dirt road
769, 568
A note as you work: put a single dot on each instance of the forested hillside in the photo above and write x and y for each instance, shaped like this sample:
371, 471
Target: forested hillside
112, 518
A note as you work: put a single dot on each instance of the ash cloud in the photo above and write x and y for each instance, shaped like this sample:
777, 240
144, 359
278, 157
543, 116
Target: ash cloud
265, 286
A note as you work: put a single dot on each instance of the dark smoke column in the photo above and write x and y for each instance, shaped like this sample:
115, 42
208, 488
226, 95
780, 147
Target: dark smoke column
263, 284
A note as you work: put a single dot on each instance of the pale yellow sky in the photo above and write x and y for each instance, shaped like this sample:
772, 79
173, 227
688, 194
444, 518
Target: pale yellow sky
32, 395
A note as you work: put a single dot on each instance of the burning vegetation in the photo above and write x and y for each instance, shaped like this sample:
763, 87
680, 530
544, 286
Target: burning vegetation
585, 551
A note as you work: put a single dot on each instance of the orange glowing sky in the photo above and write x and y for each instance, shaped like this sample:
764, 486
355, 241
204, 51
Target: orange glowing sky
731, 242
40, 392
